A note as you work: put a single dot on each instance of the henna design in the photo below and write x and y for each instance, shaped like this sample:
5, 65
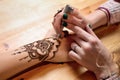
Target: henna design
40, 49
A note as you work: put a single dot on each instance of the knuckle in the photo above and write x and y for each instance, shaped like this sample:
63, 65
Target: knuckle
93, 41
87, 47
77, 29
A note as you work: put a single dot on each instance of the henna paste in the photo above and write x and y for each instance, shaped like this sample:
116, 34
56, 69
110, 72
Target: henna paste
40, 49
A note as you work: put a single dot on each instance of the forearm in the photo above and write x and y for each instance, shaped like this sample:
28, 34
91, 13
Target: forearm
48, 49
108, 13
11, 64
16, 61
96, 19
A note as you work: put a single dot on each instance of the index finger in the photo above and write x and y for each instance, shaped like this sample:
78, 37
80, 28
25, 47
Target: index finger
57, 23
81, 33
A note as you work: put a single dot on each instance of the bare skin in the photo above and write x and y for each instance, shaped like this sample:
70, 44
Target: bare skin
50, 49
21, 58
87, 49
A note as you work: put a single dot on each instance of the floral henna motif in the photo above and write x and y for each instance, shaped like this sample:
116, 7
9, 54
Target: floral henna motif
40, 49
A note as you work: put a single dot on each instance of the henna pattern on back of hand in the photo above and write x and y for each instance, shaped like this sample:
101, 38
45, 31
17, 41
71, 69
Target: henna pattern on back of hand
40, 49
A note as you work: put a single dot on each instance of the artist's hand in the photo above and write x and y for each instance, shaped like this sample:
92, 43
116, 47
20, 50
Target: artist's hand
74, 18
89, 51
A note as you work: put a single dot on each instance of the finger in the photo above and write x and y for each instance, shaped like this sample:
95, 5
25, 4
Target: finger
79, 41
67, 25
75, 47
73, 20
84, 38
75, 12
58, 12
75, 56
81, 50
57, 23
81, 33
89, 30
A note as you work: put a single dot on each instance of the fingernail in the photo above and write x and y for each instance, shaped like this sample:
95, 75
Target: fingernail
64, 23
65, 16
89, 26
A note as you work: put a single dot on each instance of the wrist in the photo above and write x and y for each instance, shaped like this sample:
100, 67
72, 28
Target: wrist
114, 76
107, 71
96, 19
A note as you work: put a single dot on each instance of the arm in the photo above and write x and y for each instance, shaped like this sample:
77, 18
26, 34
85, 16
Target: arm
107, 13
86, 44
50, 48
96, 21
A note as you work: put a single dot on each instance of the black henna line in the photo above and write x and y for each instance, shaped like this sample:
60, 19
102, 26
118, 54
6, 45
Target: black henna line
42, 44
17, 51
54, 52
24, 58
39, 49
